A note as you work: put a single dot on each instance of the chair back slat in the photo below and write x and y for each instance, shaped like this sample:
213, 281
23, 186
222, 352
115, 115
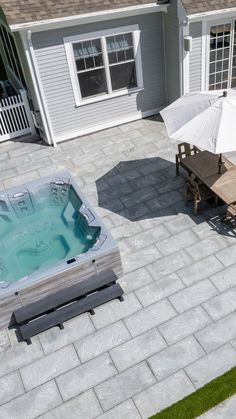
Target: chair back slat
187, 150
231, 210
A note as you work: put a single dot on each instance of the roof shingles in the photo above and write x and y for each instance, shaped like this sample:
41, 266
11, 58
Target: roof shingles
24, 11
201, 6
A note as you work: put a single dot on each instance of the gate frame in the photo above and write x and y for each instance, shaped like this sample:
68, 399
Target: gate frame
22, 102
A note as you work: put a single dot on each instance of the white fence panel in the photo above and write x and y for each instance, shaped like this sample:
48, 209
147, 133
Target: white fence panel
15, 117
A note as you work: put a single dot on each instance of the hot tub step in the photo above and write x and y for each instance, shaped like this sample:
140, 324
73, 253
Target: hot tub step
67, 295
57, 317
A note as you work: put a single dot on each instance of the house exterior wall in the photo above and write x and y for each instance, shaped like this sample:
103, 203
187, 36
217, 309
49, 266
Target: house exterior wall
67, 120
171, 31
195, 58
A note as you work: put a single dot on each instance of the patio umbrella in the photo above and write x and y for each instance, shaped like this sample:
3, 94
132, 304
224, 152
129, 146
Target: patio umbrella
205, 119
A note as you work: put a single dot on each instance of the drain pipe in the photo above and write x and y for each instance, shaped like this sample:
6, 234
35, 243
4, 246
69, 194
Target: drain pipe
29, 51
40, 91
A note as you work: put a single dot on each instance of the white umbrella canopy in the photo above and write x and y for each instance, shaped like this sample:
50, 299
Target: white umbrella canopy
205, 119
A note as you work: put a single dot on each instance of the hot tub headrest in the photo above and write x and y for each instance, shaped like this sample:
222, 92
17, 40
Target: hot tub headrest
59, 192
21, 203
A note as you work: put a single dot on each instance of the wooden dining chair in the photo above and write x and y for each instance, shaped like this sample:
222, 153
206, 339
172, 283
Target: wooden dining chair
184, 150
198, 192
231, 213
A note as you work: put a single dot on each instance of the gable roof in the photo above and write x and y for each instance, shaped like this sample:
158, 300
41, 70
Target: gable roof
203, 6
28, 11
25, 11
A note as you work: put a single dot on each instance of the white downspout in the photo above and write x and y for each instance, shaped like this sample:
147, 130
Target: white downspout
186, 57
27, 42
183, 55
43, 100
164, 50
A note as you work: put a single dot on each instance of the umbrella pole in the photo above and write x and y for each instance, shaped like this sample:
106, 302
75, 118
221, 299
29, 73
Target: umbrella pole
220, 163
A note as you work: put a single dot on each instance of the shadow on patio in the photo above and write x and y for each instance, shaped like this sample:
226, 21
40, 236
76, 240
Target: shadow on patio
149, 188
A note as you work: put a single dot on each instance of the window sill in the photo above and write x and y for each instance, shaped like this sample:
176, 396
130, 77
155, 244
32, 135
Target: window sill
107, 97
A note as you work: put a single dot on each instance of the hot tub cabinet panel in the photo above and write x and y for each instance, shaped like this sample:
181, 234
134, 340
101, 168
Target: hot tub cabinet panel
102, 255
71, 277
7, 306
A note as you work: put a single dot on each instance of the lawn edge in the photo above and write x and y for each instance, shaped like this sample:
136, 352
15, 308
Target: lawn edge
203, 399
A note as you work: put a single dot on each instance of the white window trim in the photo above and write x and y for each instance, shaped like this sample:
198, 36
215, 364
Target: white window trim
205, 57
68, 42
206, 47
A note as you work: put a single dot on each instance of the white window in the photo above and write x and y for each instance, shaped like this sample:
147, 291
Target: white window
222, 56
104, 64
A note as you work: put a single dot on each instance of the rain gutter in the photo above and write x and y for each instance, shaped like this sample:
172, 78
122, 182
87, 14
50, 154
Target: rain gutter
100, 16
213, 14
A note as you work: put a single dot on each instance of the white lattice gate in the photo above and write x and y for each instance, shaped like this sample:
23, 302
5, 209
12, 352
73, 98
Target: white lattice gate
15, 117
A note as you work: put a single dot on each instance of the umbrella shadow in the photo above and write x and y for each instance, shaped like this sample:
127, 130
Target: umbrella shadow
149, 188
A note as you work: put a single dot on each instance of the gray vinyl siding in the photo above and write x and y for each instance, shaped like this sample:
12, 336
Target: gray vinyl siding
171, 29
56, 82
195, 59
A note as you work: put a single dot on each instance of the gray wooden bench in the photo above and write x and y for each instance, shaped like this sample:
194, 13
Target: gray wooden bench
65, 304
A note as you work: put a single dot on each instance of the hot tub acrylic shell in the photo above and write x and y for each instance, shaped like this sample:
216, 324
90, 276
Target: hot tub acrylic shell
104, 254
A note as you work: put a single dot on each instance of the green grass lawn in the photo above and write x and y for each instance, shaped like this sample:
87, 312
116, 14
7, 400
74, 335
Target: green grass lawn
203, 399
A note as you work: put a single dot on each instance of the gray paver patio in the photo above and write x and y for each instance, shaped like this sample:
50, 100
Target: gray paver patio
176, 328
226, 409
209, 367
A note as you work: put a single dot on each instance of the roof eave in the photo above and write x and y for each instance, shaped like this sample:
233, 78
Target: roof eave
88, 18
212, 15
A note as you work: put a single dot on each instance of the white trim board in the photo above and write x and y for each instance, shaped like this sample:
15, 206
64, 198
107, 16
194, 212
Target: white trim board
82, 19
186, 61
38, 89
110, 124
204, 56
183, 55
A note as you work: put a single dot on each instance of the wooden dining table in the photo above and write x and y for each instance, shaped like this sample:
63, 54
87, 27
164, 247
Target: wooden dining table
205, 167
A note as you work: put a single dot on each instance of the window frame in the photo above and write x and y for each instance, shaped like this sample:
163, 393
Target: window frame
68, 43
232, 22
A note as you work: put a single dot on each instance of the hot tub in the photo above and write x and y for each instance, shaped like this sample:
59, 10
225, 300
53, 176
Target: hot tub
50, 238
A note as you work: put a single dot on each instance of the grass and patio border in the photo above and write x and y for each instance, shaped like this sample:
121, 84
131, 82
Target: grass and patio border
203, 399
